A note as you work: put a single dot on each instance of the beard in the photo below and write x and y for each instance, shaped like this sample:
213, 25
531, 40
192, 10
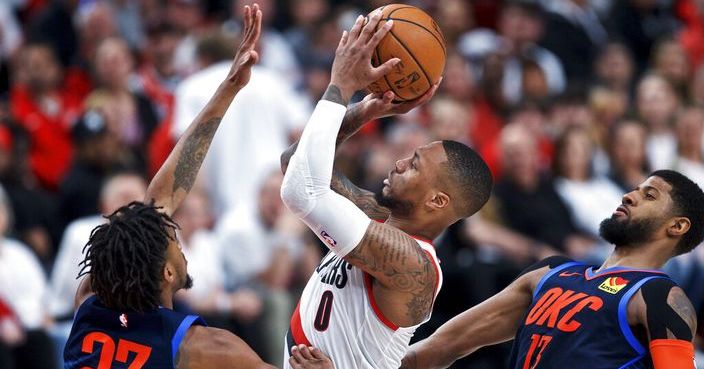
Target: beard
397, 207
628, 233
188, 283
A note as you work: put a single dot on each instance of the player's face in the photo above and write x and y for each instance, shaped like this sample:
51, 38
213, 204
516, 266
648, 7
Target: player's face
412, 179
642, 213
176, 259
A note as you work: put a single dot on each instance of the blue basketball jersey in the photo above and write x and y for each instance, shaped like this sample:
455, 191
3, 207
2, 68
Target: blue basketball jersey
102, 338
578, 320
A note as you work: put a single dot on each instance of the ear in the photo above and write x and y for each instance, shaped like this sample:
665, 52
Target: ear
169, 272
678, 227
439, 201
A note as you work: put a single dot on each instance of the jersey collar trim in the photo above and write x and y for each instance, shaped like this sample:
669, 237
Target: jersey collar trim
589, 273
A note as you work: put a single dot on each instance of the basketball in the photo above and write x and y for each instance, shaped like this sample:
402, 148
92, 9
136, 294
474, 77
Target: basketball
415, 39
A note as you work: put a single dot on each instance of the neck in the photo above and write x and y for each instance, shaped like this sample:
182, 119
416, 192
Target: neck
416, 227
640, 257
167, 299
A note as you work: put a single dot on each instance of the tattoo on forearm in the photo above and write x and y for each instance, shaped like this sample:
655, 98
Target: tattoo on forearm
399, 263
334, 94
410, 361
192, 155
352, 122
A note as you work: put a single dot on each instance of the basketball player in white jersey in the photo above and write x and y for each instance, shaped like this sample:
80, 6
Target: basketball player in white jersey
379, 282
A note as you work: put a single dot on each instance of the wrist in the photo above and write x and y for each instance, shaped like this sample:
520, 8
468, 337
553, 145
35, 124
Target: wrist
338, 93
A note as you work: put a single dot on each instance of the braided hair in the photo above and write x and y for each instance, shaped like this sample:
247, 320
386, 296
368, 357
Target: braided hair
125, 257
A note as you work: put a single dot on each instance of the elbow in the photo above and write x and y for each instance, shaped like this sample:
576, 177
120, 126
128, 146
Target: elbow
293, 195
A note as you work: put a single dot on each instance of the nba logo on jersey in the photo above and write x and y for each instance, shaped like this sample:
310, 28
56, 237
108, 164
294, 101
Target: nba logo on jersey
123, 320
329, 240
613, 284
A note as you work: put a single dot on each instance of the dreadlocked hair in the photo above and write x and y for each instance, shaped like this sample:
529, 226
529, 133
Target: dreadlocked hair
125, 257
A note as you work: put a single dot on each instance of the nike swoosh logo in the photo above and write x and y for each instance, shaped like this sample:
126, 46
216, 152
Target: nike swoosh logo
569, 274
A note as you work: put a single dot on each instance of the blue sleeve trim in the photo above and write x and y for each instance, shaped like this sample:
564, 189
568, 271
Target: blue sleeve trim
180, 332
623, 315
551, 273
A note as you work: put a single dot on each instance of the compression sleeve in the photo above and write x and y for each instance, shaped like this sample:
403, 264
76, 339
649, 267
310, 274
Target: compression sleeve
306, 186
672, 354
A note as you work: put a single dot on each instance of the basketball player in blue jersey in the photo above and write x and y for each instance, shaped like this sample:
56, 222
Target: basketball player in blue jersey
133, 264
624, 314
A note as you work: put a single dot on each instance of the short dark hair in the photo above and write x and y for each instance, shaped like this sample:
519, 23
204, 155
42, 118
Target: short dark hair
125, 257
688, 202
469, 175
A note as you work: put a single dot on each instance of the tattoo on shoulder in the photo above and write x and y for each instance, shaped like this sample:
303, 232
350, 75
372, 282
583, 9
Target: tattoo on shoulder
363, 199
334, 94
683, 307
400, 264
193, 153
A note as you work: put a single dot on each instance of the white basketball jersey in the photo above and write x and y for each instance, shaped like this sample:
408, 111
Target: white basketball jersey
337, 314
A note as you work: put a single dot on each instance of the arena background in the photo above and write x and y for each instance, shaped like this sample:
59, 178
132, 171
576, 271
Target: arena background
570, 102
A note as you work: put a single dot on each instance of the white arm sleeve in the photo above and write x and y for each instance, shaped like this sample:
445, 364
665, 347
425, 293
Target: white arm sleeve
306, 186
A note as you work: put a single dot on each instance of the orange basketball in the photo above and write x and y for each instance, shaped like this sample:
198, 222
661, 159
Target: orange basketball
415, 39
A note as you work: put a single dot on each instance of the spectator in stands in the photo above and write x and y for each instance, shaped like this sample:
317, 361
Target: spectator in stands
589, 198
656, 103
614, 68
96, 21
98, 153
11, 38
131, 116
260, 245
46, 108
521, 26
258, 126
689, 130
118, 190
670, 61
626, 149
691, 37
639, 24
696, 87
54, 25
575, 34
22, 287
526, 200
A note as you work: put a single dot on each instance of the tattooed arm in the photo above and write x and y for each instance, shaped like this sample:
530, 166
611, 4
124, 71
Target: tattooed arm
372, 107
175, 178
670, 321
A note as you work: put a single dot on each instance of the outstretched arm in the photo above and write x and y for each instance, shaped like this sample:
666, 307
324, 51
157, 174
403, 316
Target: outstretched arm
493, 321
372, 107
175, 178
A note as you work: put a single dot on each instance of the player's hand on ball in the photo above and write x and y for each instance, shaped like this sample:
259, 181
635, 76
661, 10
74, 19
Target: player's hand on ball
382, 105
304, 357
246, 57
352, 69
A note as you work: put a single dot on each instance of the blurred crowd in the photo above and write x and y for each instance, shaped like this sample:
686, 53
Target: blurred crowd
570, 102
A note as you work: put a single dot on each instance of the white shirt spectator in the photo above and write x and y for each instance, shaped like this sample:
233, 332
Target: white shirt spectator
590, 201
253, 133
63, 282
661, 150
693, 170
248, 245
22, 283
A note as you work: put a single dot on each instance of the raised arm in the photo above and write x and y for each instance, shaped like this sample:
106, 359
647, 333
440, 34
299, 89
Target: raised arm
372, 107
175, 178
